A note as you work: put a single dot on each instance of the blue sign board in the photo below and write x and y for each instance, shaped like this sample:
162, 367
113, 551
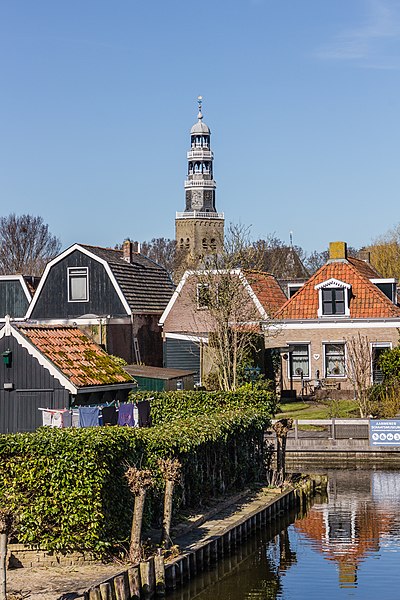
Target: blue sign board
384, 432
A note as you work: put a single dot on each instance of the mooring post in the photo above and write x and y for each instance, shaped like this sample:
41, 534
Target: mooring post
106, 591
159, 573
94, 594
147, 577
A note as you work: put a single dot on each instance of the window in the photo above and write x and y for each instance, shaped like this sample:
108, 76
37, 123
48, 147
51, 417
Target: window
300, 360
333, 301
203, 295
293, 288
376, 352
78, 284
334, 298
335, 360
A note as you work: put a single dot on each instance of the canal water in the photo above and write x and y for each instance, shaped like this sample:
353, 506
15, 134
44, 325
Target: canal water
346, 545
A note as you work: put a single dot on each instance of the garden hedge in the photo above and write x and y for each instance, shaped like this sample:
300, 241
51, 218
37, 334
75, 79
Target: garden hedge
67, 487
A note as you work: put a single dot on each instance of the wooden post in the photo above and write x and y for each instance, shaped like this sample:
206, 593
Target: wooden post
159, 572
121, 587
94, 594
134, 583
106, 591
148, 577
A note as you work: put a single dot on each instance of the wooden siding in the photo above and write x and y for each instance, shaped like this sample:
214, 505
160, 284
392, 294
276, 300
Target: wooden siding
13, 300
53, 300
182, 354
34, 387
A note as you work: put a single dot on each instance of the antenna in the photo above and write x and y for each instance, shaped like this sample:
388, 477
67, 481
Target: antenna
291, 238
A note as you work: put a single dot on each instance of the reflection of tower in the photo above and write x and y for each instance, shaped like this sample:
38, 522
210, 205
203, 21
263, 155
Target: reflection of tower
200, 229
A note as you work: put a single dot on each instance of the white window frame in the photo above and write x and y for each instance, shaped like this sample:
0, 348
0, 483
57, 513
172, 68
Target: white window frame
291, 286
386, 345
335, 284
337, 343
290, 361
390, 280
70, 274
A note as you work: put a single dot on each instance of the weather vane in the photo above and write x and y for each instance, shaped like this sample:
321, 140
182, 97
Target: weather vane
200, 101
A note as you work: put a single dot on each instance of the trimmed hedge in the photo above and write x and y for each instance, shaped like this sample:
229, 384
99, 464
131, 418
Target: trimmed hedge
167, 406
67, 487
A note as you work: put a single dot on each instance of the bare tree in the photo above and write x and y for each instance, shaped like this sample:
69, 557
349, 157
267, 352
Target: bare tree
26, 245
227, 307
162, 251
171, 471
139, 480
358, 367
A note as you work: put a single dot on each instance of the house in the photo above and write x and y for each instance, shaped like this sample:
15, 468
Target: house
313, 330
16, 293
188, 323
52, 367
116, 296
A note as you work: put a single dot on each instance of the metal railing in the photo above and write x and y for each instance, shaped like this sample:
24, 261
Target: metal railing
199, 215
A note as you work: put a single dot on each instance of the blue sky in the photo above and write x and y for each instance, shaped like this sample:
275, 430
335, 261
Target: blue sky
302, 97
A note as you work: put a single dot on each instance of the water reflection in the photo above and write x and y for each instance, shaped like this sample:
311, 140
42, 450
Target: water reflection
346, 546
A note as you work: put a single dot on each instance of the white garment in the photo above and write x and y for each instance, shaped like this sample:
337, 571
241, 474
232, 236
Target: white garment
47, 417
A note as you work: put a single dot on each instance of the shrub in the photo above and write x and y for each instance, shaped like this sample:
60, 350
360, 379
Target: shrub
68, 490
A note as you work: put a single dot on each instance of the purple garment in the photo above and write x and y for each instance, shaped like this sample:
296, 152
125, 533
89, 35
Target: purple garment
125, 415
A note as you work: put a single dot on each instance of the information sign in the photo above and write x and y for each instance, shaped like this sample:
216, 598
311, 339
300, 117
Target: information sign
384, 432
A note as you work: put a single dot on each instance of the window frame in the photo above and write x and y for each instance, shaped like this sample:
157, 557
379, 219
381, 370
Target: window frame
70, 275
333, 284
290, 361
335, 375
381, 345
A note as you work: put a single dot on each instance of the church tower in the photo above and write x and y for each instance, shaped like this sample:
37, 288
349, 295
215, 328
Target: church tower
200, 229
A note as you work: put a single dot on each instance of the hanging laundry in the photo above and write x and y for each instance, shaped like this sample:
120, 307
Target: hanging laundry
88, 416
58, 418
125, 415
144, 413
136, 415
47, 418
75, 417
109, 415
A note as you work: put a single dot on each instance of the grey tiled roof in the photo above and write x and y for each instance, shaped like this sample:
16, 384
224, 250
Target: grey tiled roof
146, 285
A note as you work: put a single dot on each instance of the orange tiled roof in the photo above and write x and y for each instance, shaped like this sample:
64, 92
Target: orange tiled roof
267, 290
80, 359
366, 302
364, 267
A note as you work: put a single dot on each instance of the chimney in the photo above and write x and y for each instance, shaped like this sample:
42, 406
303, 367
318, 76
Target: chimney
364, 255
128, 249
337, 251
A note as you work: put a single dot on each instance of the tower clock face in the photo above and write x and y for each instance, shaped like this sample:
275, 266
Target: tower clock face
197, 199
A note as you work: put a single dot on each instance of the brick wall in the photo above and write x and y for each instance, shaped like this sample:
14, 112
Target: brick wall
20, 555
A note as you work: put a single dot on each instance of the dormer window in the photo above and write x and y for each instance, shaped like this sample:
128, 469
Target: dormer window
78, 284
333, 298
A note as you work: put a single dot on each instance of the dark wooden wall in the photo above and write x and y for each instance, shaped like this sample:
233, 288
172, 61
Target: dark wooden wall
34, 387
53, 300
13, 301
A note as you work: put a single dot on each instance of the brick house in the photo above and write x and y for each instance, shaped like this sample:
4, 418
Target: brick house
344, 298
188, 323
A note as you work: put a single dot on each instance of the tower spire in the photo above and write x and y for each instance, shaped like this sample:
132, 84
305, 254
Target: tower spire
200, 228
